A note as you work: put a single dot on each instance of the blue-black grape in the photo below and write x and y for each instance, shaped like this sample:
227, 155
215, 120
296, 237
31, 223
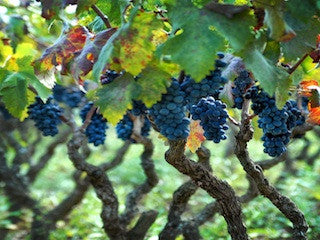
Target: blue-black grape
241, 85
96, 130
213, 117
211, 85
46, 116
169, 113
6, 115
138, 108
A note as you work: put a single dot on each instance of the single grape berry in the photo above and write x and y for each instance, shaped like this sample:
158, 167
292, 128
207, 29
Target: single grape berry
96, 130
213, 117
46, 116
169, 113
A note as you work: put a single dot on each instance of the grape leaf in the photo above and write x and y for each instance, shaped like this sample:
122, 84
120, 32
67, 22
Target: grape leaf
279, 29
14, 94
196, 136
203, 33
153, 82
115, 98
89, 55
300, 17
271, 78
61, 53
131, 47
194, 49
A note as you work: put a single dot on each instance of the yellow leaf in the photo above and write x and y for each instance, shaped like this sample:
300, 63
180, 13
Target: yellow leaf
196, 136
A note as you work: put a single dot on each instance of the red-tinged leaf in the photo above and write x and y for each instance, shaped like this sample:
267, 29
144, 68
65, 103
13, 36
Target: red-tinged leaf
314, 116
306, 86
196, 136
89, 55
61, 53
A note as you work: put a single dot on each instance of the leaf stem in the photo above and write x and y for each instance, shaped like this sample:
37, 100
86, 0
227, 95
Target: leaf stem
294, 67
104, 18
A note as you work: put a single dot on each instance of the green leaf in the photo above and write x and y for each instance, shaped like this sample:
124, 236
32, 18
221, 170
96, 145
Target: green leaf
14, 95
153, 82
305, 26
271, 78
238, 35
203, 34
279, 29
115, 99
272, 51
194, 49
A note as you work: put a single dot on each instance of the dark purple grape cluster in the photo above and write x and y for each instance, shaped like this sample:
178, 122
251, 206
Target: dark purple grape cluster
46, 116
213, 117
169, 113
275, 123
211, 85
70, 96
295, 117
241, 84
125, 127
96, 130
109, 76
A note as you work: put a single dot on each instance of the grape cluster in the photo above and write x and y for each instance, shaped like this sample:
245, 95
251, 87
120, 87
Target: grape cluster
125, 127
108, 76
211, 85
295, 116
169, 113
276, 124
241, 84
70, 96
213, 116
46, 116
138, 108
96, 130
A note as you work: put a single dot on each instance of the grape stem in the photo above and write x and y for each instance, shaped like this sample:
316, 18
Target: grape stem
104, 18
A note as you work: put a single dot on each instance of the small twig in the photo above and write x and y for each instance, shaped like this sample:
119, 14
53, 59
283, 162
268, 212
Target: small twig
294, 67
104, 18
181, 76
